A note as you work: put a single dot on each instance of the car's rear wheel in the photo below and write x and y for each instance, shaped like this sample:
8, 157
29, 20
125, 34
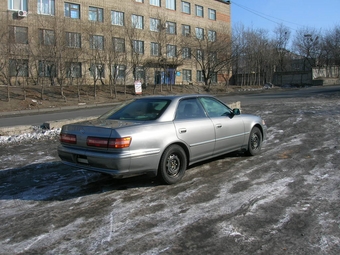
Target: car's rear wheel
255, 142
172, 165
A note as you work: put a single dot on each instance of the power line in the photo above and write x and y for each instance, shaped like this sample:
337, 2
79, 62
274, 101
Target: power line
265, 16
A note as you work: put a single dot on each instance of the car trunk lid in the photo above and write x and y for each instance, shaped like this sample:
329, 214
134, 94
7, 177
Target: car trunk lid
95, 129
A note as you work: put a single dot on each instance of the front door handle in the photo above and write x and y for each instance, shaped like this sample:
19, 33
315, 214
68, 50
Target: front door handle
219, 125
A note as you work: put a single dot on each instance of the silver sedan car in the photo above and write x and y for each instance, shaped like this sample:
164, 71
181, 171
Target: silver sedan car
160, 135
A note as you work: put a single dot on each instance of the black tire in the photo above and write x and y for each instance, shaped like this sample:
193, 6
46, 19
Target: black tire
172, 165
255, 142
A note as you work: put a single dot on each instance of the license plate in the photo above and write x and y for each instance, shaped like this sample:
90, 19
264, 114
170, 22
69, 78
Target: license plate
82, 160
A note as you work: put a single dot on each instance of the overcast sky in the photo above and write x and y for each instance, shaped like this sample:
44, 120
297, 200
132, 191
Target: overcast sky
295, 14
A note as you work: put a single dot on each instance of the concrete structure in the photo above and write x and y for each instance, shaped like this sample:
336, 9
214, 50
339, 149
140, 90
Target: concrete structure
112, 42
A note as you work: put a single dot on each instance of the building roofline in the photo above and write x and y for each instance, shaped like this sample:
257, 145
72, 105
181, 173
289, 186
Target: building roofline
224, 1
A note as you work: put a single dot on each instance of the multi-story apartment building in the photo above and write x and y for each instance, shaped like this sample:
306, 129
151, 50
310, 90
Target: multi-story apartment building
155, 41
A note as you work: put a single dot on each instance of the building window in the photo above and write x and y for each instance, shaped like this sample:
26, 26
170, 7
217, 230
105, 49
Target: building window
199, 76
17, 5
138, 46
73, 40
96, 14
72, 10
212, 14
118, 44
186, 7
199, 11
187, 75
117, 18
97, 71
155, 24
186, 30
199, 33
97, 42
18, 67
212, 57
199, 54
155, 2
155, 49
138, 73
47, 69
213, 77
46, 7
140, 1
119, 71
170, 4
18, 35
46, 37
171, 51
212, 36
186, 53
137, 21
73, 69
170, 27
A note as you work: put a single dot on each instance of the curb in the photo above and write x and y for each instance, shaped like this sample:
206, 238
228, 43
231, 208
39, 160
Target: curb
49, 125
53, 109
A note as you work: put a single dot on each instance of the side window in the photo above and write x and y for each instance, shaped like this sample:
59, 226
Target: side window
215, 108
189, 109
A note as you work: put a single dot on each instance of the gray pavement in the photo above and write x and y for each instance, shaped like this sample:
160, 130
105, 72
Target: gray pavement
17, 122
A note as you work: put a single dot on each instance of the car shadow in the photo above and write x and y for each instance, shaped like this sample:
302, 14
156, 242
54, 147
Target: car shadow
55, 181
235, 154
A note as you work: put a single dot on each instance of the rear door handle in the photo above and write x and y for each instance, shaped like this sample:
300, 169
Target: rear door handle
182, 130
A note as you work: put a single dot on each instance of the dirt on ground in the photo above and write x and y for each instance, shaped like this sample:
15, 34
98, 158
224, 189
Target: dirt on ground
283, 201
33, 97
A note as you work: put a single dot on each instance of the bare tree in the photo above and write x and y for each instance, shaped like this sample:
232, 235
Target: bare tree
307, 44
96, 52
136, 48
212, 52
330, 47
164, 50
116, 59
4, 51
280, 44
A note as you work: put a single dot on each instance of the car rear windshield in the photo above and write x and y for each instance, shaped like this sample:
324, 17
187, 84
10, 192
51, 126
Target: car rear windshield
138, 110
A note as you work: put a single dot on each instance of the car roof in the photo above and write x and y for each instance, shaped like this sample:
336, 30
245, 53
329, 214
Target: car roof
169, 114
173, 97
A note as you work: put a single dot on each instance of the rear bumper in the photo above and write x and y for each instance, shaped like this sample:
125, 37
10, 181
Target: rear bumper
119, 165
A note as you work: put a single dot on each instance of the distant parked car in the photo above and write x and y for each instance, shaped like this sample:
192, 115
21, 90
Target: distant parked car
268, 85
160, 135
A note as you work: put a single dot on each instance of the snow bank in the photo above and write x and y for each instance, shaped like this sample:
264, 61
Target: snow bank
36, 134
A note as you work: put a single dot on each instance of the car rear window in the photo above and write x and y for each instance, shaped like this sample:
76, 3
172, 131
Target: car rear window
140, 110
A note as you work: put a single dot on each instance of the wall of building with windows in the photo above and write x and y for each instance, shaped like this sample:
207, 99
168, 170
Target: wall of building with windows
155, 41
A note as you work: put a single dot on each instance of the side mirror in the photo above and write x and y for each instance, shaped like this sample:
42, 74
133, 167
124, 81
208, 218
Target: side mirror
236, 111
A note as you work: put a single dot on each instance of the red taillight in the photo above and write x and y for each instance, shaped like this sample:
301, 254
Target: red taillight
109, 142
97, 142
67, 138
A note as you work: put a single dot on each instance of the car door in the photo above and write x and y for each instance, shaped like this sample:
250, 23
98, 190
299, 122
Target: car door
229, 128
195, 129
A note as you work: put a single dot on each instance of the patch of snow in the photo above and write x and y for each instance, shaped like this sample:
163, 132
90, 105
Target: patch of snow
37, 134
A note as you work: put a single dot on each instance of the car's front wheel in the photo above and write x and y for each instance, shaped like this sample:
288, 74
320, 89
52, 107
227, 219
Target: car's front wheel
172, 165
255, 142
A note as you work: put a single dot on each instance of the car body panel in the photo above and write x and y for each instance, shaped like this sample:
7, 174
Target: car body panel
200, 136
230, 133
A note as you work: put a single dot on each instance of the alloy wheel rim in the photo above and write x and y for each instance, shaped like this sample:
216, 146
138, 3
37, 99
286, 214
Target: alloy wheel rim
173, 165
255, 142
